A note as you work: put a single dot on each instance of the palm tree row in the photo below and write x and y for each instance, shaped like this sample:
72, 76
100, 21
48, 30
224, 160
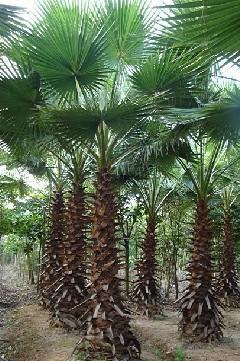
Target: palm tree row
96, 80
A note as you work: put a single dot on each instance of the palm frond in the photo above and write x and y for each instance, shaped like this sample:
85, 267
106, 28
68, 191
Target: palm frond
222, 119
154, 193
68, 48
130, 23
11, 20
19, 101
170, 76
200, 23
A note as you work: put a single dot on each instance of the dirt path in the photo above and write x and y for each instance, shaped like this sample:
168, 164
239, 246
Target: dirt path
27, 331
163, 335
33, 340
25, 334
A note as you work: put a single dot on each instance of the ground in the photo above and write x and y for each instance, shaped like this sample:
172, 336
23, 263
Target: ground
25, 333
163, 335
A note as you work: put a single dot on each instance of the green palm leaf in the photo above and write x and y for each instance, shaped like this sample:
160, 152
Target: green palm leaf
10, 20
130, 23
67, 48
222, 119
77, 123
200, 23
169, 76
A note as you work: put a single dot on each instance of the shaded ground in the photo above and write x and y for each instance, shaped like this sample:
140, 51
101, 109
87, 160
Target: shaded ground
13, 293
32, 339
25, 334
163, 335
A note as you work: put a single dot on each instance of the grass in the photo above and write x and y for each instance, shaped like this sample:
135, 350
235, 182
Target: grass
180, 354
82, 355
156, 351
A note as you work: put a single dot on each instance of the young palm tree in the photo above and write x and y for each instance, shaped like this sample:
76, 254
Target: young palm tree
71, 288
147, 291
54, 246
227, 283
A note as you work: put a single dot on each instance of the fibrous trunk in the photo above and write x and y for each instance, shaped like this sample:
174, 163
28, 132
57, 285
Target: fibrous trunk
53, 253
108, 330
71, 288
147, 290
227, 285
199, 306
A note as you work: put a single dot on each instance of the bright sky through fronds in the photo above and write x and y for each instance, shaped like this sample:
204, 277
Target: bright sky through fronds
229, 71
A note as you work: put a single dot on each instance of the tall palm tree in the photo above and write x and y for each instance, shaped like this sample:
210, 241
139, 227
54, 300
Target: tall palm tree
74, 72
147, 291
201, 319
199, 305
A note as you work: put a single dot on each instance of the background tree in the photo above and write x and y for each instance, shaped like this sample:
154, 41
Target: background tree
147, 291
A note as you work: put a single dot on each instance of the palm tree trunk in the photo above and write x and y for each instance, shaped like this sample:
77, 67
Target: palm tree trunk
108, 331
227, 285
147, 291
71, 288
53, 255
201, 318
127, 264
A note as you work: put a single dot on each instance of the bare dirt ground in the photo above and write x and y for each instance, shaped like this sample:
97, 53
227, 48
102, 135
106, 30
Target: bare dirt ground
163, 334
32, 339
25, 334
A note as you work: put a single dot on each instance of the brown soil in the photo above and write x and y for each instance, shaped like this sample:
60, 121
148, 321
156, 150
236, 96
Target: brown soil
163, 334
27, 329
32, 339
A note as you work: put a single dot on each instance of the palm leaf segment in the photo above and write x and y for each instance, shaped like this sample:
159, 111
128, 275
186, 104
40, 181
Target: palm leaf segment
10, 20
128, 31
200, 22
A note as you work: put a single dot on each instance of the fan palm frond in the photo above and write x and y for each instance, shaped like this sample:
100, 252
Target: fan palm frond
68, 48
170, 75
130, 23
200, 23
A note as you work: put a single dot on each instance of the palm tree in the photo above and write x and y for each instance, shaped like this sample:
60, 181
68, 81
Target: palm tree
75, 73
147, 291
71, 288
227, 282
54, 246
199, 305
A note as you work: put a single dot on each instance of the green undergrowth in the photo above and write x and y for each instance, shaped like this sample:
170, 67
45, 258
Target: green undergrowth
82, 356
180, 354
